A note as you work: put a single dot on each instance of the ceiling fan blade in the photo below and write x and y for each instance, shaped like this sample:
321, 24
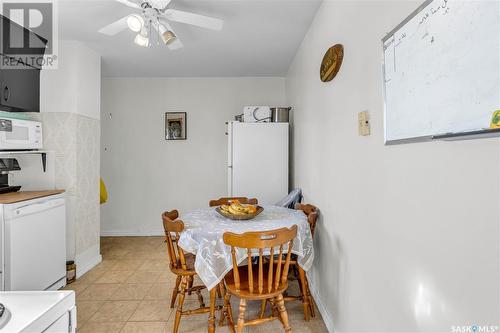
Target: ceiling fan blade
160, 3
115, 27
131, 3
193, 19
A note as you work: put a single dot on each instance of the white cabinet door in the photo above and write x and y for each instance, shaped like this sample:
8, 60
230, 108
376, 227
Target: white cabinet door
61, 325
36, 246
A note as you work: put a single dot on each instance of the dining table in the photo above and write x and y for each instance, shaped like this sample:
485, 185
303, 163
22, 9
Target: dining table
203, 236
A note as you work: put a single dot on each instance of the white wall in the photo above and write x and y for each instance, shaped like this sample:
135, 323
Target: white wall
74, 87
145, 174
409, 235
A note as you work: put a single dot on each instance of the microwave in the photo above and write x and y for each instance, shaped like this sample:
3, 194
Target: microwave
18, 134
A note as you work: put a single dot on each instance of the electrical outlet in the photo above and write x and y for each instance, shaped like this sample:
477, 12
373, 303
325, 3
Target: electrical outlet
363, 123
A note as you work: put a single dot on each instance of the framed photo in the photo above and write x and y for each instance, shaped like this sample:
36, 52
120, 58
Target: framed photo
175, 126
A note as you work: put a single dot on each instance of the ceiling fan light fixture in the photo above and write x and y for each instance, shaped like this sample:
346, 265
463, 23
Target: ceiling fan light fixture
168, 36
135, 22
141, 40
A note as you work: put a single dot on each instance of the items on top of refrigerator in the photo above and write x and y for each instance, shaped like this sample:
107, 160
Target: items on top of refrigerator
256, 114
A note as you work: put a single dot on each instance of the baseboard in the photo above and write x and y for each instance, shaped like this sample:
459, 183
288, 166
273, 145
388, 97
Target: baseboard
87, 260
132, 233
327, 318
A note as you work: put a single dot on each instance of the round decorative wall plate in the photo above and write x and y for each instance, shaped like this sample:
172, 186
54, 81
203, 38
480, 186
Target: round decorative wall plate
331, 62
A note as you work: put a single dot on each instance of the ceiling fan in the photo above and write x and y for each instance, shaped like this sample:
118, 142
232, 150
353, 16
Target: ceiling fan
153, 20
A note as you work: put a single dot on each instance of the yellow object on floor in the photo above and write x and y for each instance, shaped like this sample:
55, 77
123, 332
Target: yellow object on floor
495, 119
104, 193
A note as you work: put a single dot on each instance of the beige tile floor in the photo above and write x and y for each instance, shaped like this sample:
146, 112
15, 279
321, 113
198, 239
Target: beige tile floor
130, 290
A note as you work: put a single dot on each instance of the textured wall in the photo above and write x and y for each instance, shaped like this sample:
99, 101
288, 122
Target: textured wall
75, 140
87, 182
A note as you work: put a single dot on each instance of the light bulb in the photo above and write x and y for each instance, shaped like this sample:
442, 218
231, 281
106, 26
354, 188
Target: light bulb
135, 22
167, 36
141, 40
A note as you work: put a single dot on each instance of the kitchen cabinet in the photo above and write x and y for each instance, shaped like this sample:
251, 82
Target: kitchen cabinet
19, 87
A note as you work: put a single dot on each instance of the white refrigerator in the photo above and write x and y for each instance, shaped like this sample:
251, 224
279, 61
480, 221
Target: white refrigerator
258, 161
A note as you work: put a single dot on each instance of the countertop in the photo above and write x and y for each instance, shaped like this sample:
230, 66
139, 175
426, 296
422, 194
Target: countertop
33, 311
13, 197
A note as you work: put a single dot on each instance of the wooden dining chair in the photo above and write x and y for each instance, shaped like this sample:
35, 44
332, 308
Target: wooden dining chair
182, 265
311, 212
298, 273
225, 201
305, 297
261, 280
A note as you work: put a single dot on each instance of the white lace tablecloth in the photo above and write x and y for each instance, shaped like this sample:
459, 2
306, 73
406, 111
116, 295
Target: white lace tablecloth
203, 230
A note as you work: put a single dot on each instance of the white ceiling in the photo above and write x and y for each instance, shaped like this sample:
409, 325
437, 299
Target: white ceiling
259, 38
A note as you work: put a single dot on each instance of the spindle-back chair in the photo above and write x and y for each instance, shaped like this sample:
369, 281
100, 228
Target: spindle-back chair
264, 280
182, 265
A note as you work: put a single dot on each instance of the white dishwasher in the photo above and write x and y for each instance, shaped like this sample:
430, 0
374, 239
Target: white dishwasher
33, 244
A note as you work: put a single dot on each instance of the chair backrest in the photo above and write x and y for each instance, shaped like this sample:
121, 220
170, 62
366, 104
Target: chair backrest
262, 241
173, 227
225, 201
311, 213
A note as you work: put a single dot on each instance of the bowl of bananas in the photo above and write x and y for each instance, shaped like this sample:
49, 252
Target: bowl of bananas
237, 211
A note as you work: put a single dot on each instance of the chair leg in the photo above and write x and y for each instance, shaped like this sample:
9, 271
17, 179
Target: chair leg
241, 316
283, 314
223, 313
276, 311
303, 291
263, 307
190, 284
228, 312
175, 291
182, 295
311, 301
200, 298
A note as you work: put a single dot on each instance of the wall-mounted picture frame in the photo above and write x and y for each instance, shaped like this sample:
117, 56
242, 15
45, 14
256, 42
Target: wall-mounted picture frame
175, 126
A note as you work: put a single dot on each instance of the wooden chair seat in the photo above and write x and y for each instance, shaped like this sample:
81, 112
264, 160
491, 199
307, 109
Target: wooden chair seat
244, 290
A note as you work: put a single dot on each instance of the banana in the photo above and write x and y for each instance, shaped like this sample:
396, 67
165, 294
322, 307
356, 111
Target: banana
235, 208
233, 211
238, 207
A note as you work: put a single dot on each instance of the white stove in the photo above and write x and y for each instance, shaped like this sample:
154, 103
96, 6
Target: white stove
38, 311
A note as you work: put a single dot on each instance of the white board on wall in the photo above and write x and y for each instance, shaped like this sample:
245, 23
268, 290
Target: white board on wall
442, 70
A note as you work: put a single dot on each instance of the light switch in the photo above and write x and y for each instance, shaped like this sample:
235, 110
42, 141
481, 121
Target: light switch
363, 123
